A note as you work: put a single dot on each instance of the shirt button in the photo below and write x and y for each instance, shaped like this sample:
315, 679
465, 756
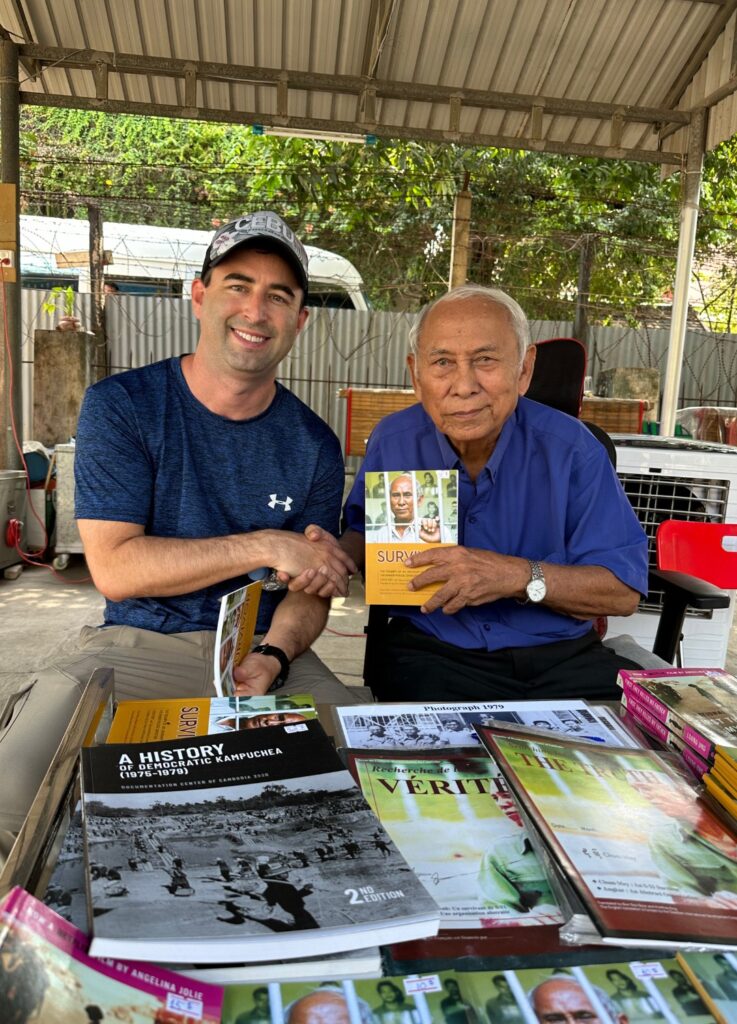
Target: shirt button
472, 519
487, 627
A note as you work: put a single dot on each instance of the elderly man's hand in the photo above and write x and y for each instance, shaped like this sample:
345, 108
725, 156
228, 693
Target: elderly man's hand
470, 577
325, 568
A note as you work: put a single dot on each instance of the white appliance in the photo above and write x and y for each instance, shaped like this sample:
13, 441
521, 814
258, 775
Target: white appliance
678, 478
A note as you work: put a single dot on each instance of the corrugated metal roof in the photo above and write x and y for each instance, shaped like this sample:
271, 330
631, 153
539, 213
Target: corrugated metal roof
600, 76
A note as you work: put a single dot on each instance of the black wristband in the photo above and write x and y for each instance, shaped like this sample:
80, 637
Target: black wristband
278, 653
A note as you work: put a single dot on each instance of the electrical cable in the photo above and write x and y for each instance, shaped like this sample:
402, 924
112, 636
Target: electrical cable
14, 527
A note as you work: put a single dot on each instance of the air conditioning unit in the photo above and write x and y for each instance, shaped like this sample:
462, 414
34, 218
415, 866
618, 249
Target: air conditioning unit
678, 478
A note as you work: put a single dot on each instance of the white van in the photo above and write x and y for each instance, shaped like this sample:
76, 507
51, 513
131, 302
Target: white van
149, 260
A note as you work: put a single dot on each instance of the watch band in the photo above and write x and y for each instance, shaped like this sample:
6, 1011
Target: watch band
278, 653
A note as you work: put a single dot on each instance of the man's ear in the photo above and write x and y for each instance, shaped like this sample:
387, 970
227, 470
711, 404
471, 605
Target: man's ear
412, 367
302, 318
528, 365
198, 291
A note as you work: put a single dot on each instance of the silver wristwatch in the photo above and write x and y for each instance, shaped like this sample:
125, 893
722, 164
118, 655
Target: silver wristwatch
536, 588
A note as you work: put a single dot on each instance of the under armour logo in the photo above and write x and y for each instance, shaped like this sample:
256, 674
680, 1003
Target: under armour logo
275, 501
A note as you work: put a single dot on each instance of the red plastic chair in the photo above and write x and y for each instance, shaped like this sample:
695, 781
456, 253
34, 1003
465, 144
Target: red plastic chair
696, 563
706, 550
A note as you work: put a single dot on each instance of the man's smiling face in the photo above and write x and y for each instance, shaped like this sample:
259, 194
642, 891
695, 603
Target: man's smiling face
250, 312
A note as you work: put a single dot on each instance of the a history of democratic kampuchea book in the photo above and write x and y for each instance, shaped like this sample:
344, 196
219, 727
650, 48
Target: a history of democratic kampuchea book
264, 754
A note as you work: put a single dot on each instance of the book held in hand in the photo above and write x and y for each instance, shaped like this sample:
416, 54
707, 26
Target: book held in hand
251, 845
406, 511
234, 634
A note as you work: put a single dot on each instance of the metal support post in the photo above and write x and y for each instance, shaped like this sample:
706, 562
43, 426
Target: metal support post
686, 243
11, 404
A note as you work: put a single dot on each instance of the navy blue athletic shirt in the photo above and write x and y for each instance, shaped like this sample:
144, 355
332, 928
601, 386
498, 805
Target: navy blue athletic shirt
149, 453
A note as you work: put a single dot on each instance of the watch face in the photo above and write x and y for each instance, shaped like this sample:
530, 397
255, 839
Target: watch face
536, 590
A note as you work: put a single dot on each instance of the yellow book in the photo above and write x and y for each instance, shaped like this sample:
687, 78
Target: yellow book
145, 721
407, 511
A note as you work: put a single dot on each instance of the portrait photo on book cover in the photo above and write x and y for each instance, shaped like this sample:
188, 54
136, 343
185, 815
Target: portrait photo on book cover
407, 506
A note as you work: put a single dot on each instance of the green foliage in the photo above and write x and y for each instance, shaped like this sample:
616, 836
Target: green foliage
67, 300
389, 207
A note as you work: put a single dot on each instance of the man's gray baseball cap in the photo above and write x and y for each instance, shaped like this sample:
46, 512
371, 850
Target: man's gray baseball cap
250, 228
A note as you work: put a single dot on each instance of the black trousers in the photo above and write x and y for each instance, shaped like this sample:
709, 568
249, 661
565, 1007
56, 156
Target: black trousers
419, 667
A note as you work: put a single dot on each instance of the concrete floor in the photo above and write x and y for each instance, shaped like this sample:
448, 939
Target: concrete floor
42, 608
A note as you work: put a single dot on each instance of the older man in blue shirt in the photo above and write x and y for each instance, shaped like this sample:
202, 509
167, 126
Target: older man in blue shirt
547, 538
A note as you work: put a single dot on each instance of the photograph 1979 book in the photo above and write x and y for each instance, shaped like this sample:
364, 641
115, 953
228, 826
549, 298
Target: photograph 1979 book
406, 511
47, 975
252, 845
651, 863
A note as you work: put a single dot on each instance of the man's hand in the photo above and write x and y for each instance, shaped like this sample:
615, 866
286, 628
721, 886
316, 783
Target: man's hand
331, 577
470, 577
255, 674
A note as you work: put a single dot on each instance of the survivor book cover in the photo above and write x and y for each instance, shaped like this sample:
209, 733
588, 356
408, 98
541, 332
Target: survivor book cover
405, 512
651, 863
143, 721
245, 846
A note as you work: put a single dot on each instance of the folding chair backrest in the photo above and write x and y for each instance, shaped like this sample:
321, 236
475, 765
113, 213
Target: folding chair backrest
558, 377
705, 550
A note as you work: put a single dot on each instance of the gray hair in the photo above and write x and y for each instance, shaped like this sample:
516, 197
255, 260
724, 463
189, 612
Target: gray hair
517, 317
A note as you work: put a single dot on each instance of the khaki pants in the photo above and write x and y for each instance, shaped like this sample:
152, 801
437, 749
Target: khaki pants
147, 665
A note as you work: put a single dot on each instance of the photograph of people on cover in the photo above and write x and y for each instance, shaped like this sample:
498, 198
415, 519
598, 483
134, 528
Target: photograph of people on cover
437, 730
314, 1002
418, 509
454, 1004
242, 858
387, 1002
42, 983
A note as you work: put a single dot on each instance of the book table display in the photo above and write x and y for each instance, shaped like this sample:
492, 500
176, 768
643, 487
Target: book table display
492, 964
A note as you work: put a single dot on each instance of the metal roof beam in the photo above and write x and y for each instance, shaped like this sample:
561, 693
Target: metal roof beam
349, 127
124, 63
699, 54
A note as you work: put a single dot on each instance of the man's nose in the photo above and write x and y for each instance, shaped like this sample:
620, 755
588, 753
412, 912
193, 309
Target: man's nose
253, 306
465, 381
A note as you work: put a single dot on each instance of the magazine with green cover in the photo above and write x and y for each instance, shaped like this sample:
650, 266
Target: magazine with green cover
652, 864
454, 821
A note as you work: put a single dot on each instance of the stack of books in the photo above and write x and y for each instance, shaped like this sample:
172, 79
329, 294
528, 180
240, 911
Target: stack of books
691, 710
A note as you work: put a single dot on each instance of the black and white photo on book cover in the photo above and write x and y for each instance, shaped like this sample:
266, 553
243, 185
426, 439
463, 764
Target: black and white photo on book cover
438, 726
248, 846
